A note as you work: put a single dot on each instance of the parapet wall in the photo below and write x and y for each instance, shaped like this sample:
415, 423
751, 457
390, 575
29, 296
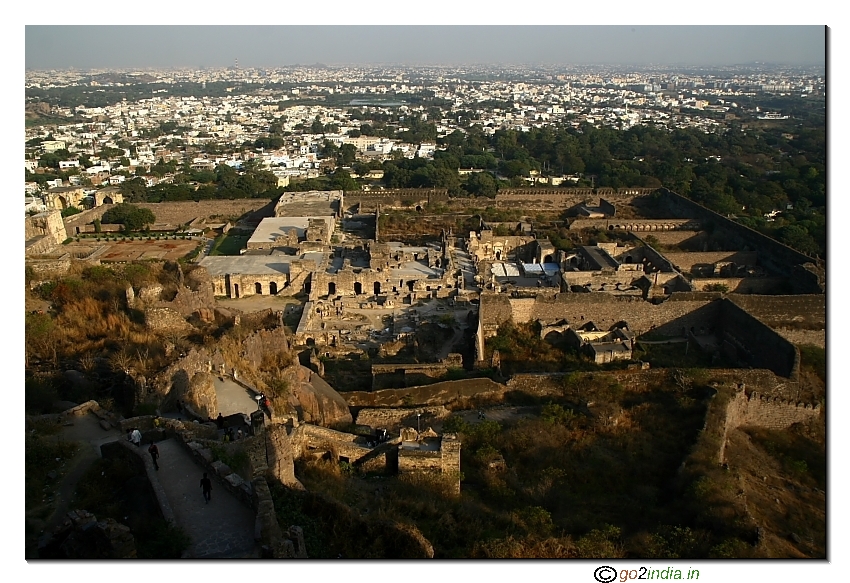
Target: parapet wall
762, 411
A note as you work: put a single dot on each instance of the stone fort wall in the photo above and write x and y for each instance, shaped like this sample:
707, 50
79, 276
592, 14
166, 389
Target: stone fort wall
773, 255
76, 224
744, 336
604, 310
759, 410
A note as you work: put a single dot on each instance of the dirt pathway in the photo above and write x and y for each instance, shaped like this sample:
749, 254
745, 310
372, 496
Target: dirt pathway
90, 435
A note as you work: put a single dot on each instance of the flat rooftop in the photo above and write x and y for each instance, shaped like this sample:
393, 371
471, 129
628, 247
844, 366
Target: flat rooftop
415, 269
272, 228
311, 203
253, 264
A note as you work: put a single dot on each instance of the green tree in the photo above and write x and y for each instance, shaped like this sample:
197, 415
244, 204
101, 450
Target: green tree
342, 180
132, 217
481, 184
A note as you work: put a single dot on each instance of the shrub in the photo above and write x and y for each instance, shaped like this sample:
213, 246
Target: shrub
162, 540
70, 211
556, 414
602, 543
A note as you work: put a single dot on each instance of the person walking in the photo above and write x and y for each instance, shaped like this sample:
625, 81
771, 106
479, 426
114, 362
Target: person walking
206, 486
154, 451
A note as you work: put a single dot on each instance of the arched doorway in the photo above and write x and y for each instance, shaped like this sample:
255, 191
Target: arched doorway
410, 285
236, 290
258, 288
548, 259
331, 288
377, 288
498, 255
358, 288
273, 288
107, 200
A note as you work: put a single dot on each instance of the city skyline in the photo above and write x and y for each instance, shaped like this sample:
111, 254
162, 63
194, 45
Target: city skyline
69, 47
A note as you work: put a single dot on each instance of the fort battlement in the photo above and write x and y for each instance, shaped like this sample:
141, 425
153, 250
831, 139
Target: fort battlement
759, 410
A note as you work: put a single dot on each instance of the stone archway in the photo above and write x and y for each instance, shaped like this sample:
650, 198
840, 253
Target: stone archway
258, 288
358, 288
273, 288
377, 288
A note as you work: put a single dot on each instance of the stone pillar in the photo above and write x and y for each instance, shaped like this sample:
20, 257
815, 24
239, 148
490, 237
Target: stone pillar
258, 422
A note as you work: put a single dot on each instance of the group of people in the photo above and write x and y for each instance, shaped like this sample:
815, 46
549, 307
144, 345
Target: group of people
229, 434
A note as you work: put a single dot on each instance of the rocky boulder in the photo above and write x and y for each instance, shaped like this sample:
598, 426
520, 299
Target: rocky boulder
314, 399
201, 395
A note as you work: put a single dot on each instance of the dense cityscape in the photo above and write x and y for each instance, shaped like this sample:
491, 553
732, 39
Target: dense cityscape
386, 311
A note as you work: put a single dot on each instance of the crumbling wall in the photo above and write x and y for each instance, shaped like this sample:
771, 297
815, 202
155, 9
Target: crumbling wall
440, 393
799, 337
265, 342
393, 419
741, 285
386, 376
164, 318
604, 310
197, 294
50, 266
282, 454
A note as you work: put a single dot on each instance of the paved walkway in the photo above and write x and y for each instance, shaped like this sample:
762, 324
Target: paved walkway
222, 528
233, 398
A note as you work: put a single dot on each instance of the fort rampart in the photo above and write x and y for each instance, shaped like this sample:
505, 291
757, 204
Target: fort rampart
759, 410
773, 255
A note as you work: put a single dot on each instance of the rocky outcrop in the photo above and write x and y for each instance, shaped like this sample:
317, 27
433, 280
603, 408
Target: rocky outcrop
201, 395
314, 399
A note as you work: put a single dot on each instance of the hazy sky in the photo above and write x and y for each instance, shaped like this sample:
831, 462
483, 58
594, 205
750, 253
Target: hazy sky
60, 47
